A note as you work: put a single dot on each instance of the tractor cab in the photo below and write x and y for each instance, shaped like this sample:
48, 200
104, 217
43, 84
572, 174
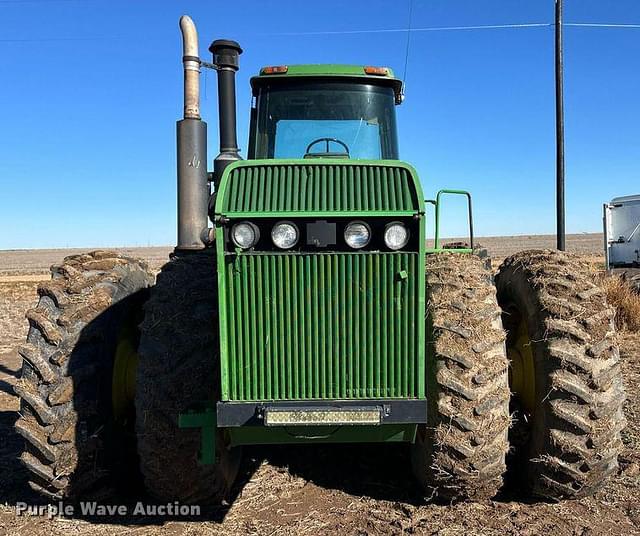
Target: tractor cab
324, 111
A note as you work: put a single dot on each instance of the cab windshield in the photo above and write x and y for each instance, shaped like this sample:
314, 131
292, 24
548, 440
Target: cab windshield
298, 119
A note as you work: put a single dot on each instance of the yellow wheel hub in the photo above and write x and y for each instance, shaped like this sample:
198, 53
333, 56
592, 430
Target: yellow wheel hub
522, 370
123, 385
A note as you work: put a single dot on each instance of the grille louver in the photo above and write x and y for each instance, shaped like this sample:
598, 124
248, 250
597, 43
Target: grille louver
332, 325
331, 187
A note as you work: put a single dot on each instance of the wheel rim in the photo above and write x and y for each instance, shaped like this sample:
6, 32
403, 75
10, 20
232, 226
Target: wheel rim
522, 367
125, 363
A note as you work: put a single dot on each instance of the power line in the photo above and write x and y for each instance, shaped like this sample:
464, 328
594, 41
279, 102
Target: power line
402, 30
599, 25
409, 29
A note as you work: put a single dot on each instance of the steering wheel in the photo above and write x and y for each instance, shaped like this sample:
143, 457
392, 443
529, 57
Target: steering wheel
309, 154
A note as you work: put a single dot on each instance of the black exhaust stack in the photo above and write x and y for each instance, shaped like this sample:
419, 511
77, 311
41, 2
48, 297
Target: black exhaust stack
225, 58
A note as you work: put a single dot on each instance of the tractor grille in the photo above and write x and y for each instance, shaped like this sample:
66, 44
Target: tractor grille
319, 188
334, 325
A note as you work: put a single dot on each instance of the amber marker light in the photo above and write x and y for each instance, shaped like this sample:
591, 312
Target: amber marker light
379, 71
275, 69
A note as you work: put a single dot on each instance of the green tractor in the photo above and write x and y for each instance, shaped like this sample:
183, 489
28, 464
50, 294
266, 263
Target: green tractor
302, 306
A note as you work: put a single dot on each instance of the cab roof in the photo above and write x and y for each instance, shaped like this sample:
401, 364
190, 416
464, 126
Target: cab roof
356, 73
626, 199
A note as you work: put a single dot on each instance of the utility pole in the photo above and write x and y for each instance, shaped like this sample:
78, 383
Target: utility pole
560, 219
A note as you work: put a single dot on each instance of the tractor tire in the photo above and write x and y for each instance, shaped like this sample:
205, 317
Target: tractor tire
460, 453
635, 283
632, 277
65, 385
179, 369
575, 415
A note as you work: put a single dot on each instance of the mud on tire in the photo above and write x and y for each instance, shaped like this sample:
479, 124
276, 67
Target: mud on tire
65, 385
460, 454
574, 436
177, 370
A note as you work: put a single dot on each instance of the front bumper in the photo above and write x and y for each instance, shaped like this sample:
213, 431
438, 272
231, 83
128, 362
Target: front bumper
321, 412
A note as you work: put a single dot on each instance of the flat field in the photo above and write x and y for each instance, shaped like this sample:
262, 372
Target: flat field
325, 489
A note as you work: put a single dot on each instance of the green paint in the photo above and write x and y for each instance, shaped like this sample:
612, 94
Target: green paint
327, 69
319, 187
326, 325
437, 204
206, 421
388, 315
353, 73
320, 214
224, 312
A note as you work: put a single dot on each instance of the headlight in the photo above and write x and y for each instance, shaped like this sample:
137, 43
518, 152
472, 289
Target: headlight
245, 234
396, 235
284, 234
357, 234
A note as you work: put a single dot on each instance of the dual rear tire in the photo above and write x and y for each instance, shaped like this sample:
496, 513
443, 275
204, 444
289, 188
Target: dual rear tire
73, 444
460, 453
570, 405
80, 442
179, 367
557, 378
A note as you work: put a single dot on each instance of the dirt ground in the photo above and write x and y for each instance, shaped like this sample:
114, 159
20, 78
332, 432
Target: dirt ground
325, 489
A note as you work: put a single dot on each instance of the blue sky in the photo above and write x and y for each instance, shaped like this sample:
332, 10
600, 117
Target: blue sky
91, 90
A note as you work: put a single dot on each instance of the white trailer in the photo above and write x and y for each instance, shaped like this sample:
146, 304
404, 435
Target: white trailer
622, 232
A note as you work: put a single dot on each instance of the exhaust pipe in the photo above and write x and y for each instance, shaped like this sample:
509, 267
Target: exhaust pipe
193, 186
191, 62
225, 58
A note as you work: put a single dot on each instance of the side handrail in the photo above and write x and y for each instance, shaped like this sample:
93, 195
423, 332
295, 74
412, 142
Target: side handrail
436, 203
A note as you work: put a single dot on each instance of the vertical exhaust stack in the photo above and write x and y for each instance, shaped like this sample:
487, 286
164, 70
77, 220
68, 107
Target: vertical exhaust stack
193, 188
225, 57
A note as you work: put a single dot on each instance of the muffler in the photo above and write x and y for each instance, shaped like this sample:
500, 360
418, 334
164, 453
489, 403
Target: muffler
193, 186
